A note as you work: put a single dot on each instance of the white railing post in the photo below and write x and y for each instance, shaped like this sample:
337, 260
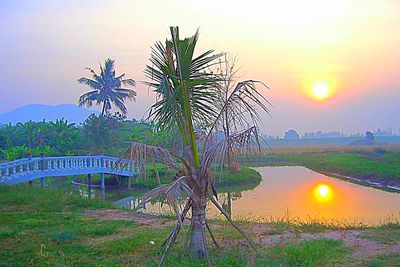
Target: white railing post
103, 184
42, 180
88, 160
28, 166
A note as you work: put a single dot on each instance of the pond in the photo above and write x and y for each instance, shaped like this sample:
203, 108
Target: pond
298, 192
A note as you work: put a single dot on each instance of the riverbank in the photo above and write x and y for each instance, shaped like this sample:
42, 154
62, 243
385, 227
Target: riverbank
378, 168
56, 226
225, 180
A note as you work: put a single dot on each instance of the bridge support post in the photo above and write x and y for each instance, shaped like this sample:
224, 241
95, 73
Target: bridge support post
42, 180
103, 187
103, 184
90, 185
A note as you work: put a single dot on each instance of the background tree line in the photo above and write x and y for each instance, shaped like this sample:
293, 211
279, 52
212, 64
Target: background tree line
106, 134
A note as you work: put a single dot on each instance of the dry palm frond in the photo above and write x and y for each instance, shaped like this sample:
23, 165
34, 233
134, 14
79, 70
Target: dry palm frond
173, 235
173, 195
172, 192
228, 217
212, 235
238, 108
240, 142
163, 189
139, 154
152, 194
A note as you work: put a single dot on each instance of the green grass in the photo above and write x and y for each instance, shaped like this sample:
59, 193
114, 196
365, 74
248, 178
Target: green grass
384, 260
245, 179
49, 228
382, 235
318, 252
386, 233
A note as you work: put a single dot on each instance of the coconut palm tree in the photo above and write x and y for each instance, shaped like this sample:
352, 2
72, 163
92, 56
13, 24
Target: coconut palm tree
106, 88
186, 96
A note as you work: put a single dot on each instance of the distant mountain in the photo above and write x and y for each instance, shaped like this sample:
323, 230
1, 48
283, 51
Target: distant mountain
38, 112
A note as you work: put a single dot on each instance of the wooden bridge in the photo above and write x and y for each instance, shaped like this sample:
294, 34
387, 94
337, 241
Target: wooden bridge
29, 169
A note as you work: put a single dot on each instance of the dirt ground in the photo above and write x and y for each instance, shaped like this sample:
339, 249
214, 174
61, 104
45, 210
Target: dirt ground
139, 218
362, 247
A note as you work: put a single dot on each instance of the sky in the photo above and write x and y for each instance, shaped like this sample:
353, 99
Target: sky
349, 48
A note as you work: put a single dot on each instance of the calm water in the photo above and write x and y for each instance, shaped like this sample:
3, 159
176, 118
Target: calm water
302, 193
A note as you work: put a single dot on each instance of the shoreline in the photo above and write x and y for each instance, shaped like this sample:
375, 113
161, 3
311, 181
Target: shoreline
240, 181
368, 183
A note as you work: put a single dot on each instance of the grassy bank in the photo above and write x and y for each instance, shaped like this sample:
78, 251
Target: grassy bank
377, 165
245, 178
54, 227
225, 180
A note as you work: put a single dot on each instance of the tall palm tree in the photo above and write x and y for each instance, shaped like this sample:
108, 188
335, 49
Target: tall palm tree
186, 100
107, 88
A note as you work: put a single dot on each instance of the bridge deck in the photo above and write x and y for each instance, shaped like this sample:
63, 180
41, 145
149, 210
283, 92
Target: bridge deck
29, 169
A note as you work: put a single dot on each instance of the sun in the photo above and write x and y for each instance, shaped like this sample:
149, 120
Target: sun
323, 192
320, 90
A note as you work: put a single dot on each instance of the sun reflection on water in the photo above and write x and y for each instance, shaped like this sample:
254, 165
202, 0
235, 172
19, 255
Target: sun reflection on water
323, 192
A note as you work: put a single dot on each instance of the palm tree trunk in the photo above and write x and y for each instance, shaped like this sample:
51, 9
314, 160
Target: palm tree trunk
104, 108
197, 234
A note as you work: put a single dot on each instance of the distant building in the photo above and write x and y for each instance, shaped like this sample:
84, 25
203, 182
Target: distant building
291, 134
269, 136
320, 134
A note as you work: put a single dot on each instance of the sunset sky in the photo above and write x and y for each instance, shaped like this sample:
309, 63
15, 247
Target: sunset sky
330, 65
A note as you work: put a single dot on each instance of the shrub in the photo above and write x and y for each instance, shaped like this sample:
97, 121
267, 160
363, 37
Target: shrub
16, 152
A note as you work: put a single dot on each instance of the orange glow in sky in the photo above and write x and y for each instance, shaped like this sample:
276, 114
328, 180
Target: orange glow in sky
349, 48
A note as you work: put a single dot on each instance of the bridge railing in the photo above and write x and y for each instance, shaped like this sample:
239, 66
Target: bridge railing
19, 166
45, 166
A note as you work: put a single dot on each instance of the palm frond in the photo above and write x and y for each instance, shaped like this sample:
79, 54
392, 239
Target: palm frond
89, 82
228, 217
129, 82
238, 108
118, 102
140, 154
244, 99
88, 98
173, 194
246, 141
170, 68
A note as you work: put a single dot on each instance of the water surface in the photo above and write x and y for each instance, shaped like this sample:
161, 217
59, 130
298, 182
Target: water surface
302, 193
